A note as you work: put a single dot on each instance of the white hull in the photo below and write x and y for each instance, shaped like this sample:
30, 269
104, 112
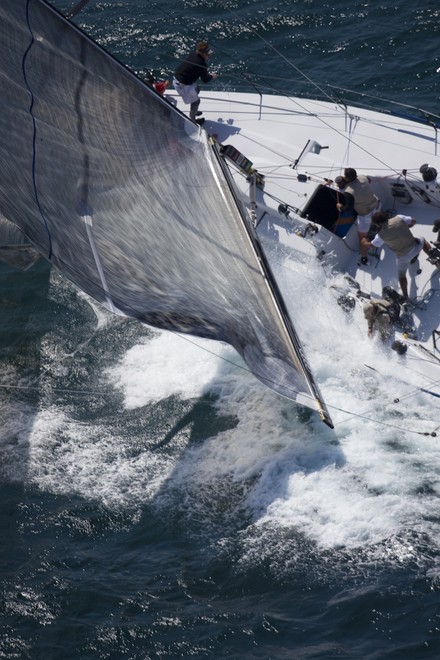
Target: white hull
300, 147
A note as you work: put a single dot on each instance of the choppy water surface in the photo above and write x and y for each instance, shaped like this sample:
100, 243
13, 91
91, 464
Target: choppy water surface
157, 501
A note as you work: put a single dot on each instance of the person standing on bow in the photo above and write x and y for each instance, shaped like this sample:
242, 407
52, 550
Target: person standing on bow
395, 232
359, 197
186, 75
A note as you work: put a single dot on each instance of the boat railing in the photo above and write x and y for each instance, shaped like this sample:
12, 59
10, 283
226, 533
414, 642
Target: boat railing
340, 96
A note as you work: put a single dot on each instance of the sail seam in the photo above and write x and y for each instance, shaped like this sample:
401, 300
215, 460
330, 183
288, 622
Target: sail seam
34, 136
34, 128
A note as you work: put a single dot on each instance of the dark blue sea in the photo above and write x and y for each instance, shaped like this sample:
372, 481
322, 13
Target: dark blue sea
156, 500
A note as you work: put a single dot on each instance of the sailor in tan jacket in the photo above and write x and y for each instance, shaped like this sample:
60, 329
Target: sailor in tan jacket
395, 232
359, 197
377, 314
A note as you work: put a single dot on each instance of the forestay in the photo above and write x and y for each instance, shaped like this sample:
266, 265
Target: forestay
129, 199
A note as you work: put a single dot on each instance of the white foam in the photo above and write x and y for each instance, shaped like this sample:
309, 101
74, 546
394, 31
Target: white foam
166, 365
350, 488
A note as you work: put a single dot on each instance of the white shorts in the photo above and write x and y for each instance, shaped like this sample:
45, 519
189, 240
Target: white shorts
187, 92
404, 261
364, 221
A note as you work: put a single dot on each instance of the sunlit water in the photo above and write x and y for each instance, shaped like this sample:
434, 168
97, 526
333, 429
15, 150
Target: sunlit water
157, 500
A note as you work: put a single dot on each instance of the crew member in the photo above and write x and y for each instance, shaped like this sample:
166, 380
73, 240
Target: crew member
186, 75
359, 197
395, 232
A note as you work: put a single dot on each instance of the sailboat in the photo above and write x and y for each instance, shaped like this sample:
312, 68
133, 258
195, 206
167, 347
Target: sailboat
177, 225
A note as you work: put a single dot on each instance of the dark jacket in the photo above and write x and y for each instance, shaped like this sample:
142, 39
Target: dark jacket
191, 69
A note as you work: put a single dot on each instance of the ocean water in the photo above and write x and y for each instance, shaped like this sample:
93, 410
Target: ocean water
156, 500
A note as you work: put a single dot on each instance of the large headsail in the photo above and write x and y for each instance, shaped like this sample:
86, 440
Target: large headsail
129, 199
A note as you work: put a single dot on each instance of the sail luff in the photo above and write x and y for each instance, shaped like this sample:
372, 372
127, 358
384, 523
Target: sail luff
297, 354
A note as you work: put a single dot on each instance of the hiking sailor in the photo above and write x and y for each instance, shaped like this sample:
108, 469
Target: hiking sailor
359, 197
193, 67
380, 314
395, 232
